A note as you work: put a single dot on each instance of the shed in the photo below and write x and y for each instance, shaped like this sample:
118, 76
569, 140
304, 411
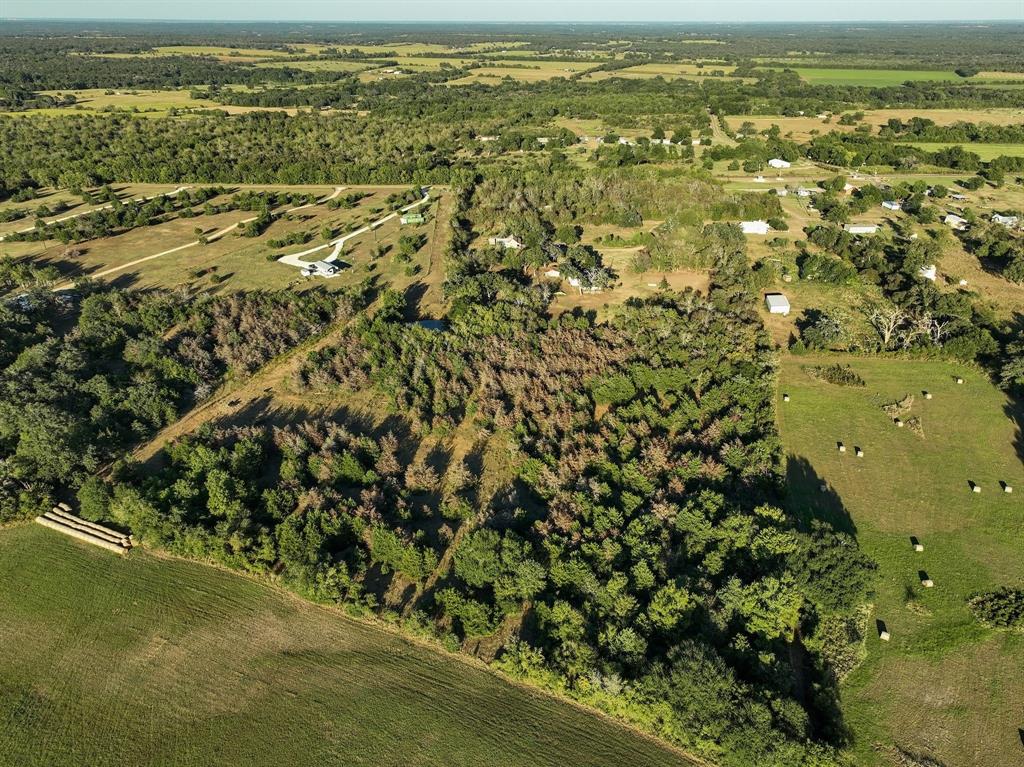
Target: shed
754, 227
775, 162
777, 304
1007, 221
861, 228
892, 205
955, 221
510, 243
928, 272
413, 218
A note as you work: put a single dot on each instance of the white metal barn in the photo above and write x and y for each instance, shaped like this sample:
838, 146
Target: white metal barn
861, 228
754, 227
777, 163
777, 304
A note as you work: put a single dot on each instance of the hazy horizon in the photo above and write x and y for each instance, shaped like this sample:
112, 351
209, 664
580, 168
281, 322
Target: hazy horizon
526, 11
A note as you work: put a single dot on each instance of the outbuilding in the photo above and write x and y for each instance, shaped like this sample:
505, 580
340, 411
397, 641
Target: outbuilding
754, 227
861, 228
509, 243
1008, 221
928, 272
892, 205
775, 162
777, 304
955, 221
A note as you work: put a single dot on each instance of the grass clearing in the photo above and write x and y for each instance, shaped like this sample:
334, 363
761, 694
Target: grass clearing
803, 127
150, 660
986, 152
148, 103
944, 686
244, 263
872, 78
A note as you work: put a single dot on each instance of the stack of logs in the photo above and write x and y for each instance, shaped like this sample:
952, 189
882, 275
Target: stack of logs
62, 520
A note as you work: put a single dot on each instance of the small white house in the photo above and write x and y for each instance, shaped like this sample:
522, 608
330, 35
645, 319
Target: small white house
928, 272
553, 273
1008, 221
777, 304
695, 142
781, 192
955, 221
754, 227
892, 205
509, 243
777, 163
543, 140
805, 192
861, 228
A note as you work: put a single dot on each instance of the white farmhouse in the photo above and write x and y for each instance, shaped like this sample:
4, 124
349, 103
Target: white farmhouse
955, 221
754, 227
892, 205
509, 243
777, 304
777, 163
861, 228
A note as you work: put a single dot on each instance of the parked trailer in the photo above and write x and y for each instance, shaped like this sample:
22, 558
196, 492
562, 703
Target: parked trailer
103, 543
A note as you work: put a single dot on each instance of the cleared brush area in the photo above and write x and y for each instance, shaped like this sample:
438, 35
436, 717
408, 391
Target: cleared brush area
147, 660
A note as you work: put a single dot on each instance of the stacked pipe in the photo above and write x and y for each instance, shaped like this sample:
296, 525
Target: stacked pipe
61, 520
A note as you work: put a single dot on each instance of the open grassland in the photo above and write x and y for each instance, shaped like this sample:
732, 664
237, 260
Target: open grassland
322, 65
944, 686
803, 127
873, 78
231, 262
523, 71
148, 103
148, 660
986, 152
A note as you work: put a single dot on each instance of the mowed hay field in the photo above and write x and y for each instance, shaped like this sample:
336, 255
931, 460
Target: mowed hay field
874, 78
153, 661
944, 686
986, 152
802, 126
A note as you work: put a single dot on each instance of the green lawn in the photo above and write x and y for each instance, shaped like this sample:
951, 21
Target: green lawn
875, 78
985, 151
943, 686
153, 661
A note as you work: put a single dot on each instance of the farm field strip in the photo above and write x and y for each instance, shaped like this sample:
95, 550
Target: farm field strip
152, 660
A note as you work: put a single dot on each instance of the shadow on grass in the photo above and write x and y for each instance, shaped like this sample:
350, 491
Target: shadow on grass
806, 501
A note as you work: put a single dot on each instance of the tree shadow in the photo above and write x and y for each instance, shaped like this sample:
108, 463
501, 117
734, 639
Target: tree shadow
413, 297
810, 498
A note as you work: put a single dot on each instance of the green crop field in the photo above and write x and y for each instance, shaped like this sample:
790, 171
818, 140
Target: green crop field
986, 152
943, 686
149, 660
875, 78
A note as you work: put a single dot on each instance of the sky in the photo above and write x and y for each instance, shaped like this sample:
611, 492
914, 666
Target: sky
520, 10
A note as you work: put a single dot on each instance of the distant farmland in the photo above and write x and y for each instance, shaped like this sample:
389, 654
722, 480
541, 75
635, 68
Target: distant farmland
874, 78
148, 660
